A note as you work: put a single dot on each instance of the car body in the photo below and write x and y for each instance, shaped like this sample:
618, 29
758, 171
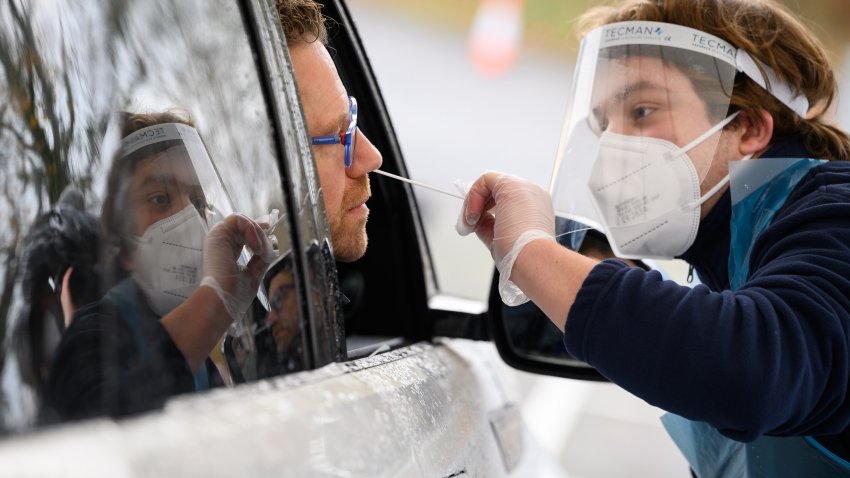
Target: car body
392, 383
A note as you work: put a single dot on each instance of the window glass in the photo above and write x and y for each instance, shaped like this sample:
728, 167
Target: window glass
129, 130
321, 335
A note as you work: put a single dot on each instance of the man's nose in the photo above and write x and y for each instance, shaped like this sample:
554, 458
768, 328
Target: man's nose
366, 158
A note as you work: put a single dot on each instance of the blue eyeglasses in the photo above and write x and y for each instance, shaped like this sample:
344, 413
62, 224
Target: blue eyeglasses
346, 137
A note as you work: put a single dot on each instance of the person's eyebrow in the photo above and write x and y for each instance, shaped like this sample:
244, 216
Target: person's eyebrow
641, 86
342, 123
158, 179
168, 179
625, 92
339, 125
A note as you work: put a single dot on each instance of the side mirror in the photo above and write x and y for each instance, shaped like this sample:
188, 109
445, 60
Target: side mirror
526, 339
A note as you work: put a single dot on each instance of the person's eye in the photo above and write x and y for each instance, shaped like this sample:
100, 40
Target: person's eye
642, 112
159, 199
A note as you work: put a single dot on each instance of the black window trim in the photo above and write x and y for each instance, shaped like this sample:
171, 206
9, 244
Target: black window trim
285, 113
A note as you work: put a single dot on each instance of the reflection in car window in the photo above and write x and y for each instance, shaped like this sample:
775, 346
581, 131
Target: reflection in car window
70, 69
281, 335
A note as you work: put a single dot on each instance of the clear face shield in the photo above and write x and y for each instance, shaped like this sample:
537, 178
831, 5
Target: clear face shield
175, 159
641, 147
174, 196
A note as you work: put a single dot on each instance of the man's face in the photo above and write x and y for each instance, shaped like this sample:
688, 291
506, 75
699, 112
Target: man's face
641, 96
345, 190
283, 315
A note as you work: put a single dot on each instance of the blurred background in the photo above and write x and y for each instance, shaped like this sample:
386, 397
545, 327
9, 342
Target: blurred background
473, 85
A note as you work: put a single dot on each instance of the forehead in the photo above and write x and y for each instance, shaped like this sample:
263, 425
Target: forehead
322, 93
172, 164
620, 82
615, 73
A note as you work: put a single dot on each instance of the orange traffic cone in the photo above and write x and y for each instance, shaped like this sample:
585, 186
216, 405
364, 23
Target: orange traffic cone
496, 36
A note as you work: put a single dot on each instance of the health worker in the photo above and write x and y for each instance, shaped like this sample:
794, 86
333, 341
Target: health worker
181, 266
697, 131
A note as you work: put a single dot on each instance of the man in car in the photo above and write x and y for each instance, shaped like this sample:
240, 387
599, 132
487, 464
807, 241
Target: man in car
332, 123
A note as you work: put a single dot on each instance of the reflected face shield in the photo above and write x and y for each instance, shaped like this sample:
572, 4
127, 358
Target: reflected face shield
172, 169
640, 145
175, 196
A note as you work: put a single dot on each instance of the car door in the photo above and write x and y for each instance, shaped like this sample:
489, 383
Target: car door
371, 391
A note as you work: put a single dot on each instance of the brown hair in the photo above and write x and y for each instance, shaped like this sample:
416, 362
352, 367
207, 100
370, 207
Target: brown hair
770, 34
116, 227
302, 21
132, 122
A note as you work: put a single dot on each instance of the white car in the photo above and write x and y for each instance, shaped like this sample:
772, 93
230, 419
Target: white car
392, 380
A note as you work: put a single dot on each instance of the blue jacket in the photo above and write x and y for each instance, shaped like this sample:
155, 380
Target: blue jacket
108, 363
772, 357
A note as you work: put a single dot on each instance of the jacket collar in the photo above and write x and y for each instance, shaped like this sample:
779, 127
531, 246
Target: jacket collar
709, 254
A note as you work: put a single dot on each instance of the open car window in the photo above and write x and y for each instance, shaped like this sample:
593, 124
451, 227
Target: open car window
387, 291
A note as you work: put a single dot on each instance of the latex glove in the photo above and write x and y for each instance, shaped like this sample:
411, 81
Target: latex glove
235, 285
507, 213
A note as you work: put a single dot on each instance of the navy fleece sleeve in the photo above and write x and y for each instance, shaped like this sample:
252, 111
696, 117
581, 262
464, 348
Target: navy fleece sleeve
98, 371
771, 358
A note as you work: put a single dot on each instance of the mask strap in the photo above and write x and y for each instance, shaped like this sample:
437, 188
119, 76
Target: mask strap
717, 187
710, 132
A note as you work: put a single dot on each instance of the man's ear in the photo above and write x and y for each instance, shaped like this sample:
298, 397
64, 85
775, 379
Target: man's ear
756, 132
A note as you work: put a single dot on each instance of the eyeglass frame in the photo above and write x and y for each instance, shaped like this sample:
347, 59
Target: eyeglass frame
346, 137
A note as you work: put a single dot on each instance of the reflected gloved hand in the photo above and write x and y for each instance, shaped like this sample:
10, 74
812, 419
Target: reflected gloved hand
235, 285
507, 213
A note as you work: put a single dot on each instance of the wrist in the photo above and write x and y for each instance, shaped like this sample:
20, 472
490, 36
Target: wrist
208, 298
512, 293
196, 325
530, 260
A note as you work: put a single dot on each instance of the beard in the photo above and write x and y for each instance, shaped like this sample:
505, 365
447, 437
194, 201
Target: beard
348, 233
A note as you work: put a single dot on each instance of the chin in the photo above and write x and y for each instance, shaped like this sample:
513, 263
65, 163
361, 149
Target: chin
349, 243
351, 248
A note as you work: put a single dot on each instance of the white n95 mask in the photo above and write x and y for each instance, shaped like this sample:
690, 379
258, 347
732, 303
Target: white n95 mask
169, 259
646, 192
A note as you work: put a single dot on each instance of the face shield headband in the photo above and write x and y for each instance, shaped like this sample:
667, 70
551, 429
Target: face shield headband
637, 85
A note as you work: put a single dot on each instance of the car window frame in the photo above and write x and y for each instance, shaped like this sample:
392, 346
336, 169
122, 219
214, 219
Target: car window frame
299, 179
397, 266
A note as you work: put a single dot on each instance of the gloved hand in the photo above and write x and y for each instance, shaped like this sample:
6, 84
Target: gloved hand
507, 213
235, 285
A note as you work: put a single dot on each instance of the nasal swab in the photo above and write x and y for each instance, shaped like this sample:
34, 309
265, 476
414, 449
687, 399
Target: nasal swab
417, 183
433, 188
